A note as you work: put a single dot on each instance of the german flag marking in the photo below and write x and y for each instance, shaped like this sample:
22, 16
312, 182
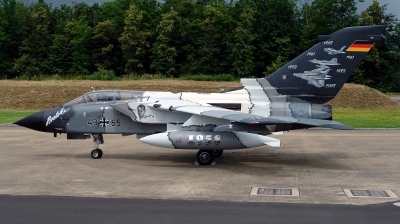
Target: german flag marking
361, 46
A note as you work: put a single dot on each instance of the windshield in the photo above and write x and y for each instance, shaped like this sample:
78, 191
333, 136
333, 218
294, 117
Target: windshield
107, 96
129, 95
99, 96
75, 101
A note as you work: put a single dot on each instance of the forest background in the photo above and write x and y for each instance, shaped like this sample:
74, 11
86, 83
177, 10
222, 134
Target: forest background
184, 38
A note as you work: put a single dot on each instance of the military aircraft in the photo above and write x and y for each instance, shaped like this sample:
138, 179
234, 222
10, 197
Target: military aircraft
332, 51
212, 122
333, 61
315, 77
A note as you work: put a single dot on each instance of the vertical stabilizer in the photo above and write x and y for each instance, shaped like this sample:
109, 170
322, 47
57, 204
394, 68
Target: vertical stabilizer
319, 73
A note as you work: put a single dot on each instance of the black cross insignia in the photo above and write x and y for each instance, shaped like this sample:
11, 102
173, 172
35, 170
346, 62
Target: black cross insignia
104, 122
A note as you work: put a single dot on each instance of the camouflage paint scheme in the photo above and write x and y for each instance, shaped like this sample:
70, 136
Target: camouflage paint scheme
291, 98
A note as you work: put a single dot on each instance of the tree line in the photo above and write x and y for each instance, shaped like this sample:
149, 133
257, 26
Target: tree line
243, 38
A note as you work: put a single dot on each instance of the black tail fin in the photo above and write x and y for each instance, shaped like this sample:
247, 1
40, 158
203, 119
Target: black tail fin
319, 73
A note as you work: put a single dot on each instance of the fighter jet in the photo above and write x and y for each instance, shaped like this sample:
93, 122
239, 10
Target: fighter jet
239, 118
332, 51
333, 61
315, 77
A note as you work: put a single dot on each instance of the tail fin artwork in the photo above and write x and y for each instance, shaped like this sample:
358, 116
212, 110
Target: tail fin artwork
319, 73
332, 51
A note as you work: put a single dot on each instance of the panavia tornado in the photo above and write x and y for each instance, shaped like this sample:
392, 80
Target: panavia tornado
239, 118
324, 63
332, 51
315, 77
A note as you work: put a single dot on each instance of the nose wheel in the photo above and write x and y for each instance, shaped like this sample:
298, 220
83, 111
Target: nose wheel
97, 153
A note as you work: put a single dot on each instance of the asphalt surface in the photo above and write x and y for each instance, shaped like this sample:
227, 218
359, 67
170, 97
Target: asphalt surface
49, 209
43, 179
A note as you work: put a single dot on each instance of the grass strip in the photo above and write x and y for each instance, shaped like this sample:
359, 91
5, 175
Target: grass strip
368, 118
11, 116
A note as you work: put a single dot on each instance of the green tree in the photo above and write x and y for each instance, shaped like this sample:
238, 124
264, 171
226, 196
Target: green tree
61, 16
194, 40
275, 65
326, 17
378, 69
3, 43
242, 50
393, 42
169, 52
134, 41
151, 11
60, 51
215, 39
60, 55
278, 33
13, 16
115, 11
164, 52
179, 37
102, 45
34, 49
79, 33
207, 36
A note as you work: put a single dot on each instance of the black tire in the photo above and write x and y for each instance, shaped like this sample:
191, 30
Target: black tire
96, 153
218, 153
205, 157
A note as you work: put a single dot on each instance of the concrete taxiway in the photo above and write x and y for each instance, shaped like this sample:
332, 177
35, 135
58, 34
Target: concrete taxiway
323, 165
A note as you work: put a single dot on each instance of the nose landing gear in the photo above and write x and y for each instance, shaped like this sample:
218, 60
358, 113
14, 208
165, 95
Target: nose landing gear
96, 152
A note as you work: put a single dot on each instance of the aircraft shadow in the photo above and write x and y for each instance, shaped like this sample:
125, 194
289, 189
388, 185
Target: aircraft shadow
255, 158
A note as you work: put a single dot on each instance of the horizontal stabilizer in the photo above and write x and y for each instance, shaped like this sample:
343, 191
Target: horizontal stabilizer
324, 123
305, 121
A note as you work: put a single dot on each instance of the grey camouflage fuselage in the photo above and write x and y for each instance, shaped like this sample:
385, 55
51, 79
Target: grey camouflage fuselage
291, 98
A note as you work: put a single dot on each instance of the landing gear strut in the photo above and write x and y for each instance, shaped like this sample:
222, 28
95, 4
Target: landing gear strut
217, 152
96, 152
205, 157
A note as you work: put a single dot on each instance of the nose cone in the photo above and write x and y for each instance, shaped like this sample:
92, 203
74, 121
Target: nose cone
35, 121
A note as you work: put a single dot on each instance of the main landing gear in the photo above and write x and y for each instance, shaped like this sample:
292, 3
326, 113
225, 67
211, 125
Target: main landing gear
206, 157
96, 152
217, 152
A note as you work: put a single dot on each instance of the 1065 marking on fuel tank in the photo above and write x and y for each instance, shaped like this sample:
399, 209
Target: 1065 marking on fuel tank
204, 139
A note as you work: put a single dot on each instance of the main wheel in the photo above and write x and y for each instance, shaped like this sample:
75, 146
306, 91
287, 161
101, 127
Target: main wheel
205, 157
96, 153
217, 152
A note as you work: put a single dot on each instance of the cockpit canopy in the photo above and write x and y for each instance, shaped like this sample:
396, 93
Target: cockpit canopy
103, 96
